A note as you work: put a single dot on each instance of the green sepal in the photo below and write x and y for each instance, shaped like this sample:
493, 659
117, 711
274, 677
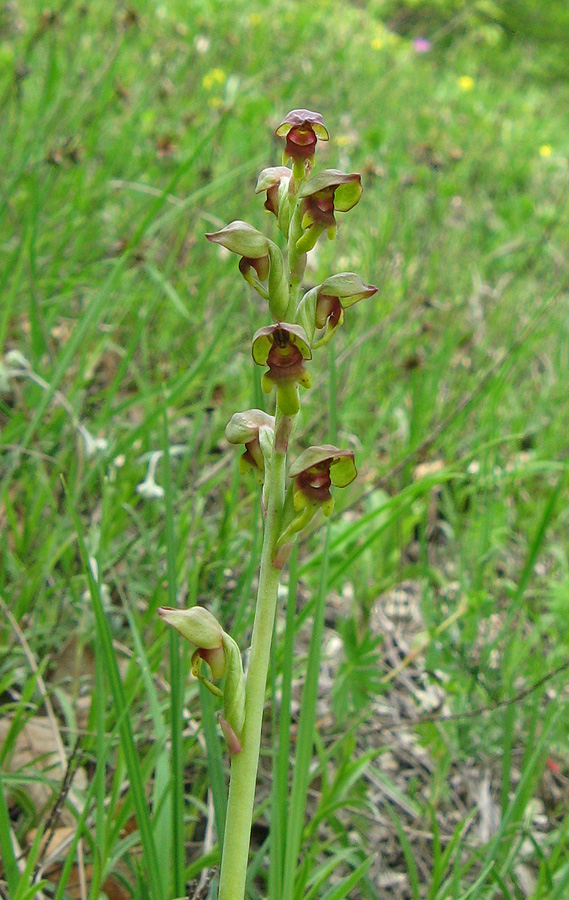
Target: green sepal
347, 188
197, 625
342, 466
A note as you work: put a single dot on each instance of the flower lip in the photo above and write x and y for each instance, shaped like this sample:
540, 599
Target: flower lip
305, 120
302, 128
328, 310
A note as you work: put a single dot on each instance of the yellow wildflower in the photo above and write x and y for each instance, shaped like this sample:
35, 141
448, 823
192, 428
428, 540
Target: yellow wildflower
466, 83
211, 79
378, 44
545, 150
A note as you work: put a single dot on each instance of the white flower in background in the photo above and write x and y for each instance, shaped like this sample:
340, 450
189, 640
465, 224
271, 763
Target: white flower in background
148, 488
92, 444
201, 43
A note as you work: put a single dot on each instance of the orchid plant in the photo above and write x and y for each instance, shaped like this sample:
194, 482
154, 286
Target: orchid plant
305, 206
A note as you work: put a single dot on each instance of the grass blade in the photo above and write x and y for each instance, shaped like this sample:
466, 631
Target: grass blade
412, 870
305, 739
177, 843
153, 869
8, 859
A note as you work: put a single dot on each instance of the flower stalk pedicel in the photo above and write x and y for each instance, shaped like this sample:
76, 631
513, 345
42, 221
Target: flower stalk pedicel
304, 206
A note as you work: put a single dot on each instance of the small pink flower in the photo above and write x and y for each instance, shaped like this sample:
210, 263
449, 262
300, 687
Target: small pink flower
422, 45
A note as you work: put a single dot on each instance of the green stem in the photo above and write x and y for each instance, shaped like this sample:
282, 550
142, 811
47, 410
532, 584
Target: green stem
244, 765
296, 262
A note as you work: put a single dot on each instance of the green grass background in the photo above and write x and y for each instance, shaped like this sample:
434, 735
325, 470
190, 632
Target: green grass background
127, 132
